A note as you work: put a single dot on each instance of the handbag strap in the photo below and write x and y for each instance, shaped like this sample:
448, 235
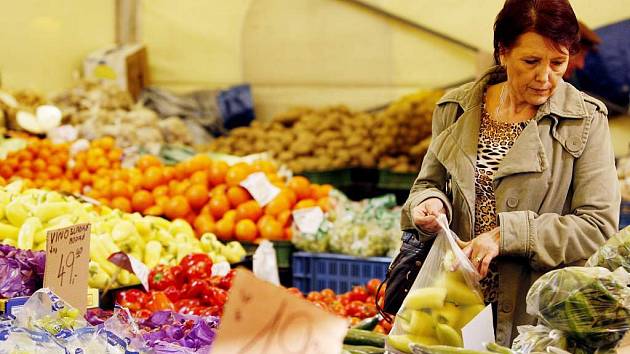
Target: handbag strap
387, 317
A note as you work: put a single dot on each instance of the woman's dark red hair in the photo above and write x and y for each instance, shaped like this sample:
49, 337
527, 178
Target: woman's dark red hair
553, 19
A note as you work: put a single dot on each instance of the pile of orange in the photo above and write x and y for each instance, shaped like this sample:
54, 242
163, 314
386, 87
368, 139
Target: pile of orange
202, 191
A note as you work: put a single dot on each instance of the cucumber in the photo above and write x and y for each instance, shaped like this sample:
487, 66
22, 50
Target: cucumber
448, 335
363, 349
363, 337
367, 324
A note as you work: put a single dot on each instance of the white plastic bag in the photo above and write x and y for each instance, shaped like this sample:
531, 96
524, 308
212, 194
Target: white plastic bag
445, 296
265, 264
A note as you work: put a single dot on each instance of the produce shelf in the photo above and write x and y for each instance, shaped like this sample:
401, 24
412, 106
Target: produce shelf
317, 271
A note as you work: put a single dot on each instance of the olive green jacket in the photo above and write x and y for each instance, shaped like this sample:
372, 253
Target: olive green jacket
557, 194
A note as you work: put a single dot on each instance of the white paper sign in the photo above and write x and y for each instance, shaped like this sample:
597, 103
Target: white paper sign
221, 269
258, 185
308, 219
479, 330
140, 270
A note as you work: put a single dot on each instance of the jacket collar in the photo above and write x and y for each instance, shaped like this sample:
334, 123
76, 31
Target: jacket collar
566, 101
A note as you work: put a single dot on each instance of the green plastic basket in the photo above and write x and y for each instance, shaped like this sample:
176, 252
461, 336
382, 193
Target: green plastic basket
284, 251
400, 181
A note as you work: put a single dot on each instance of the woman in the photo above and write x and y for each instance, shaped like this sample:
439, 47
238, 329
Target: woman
521, 162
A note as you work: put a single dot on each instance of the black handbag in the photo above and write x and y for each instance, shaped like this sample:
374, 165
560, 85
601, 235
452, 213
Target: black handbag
402, 272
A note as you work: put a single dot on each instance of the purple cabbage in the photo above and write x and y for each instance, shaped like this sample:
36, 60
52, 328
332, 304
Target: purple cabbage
165, 330
22, 270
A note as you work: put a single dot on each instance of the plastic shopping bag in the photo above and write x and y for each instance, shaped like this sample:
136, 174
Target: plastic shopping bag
535, 339
445, 296
590, 305
614, 253
265, 264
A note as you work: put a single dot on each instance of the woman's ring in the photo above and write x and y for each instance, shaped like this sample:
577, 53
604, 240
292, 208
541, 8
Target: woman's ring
478, 259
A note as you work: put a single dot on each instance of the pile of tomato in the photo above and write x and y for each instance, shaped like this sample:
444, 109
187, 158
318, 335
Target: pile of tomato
188, 288
356, 304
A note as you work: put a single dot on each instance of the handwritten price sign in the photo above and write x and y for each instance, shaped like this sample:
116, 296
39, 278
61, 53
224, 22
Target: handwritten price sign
261, 318
67, 259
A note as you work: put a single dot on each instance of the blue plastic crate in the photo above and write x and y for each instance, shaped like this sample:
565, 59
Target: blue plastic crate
624, 215
317, 271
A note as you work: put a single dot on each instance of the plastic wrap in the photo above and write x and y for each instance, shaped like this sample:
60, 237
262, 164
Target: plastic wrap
532, 339
445, 296
614, 253
590, 305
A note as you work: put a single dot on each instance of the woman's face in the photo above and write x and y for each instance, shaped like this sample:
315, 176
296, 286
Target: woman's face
534, 66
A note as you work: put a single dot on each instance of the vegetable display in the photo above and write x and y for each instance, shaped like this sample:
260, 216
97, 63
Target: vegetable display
22, 271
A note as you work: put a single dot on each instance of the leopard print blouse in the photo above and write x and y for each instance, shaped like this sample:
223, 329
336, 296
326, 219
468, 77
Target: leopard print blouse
495, 140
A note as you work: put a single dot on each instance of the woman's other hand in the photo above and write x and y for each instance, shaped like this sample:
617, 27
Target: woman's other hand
425, 215
482, 250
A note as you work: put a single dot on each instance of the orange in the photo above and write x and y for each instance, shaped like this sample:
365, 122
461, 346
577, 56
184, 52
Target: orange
263, 220
115, 155
85, 177
324, 203
271, 230
107, 142
199, 177
39, 165
121, 189
122, 175
5, 170
177, 207
290, 195
197, 195
265, 166
249, 210
219, 205
180, 188
161, 201
284, 218
277, 205
237, 195
301, 186
220, 189
153, 210
200, 162
152, 177
324, 191
55, 171
121, 203
217, 172
25, 173
224, 229
230, 215
246, 230
288, 233
146, 161
305, 203
180, 171
237, 173
160, 190
203, 223
168, 173
142, 200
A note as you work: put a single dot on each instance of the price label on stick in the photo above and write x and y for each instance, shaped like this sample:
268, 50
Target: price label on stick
258, 185
261, 318
132, 265
308, 219
67, 259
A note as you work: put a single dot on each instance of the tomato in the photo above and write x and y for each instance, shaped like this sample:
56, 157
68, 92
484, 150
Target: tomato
133, 299
354, 321
161, 278
328, 295
372, 286
344, 299
322, 305
369, 310
197, 266
173, 293
296, 292
338, 308
386, 325
215, 297
159, 301
356, 309
358, 293
379, 329
314, 296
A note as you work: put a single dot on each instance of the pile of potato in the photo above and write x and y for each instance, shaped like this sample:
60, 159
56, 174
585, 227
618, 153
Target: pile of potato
307, 139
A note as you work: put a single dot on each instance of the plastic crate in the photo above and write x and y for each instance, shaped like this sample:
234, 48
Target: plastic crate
338, 178
624, 215
391, 180
317, 271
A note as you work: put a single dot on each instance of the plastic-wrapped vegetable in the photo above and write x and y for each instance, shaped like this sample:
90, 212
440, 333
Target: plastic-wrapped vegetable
590, 305
22, 271
614, 253
167, 331
533, 339
317, 242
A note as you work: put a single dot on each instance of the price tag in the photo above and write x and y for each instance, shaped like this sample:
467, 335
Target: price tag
308, 219
67, 259
261, 318
258, 185
132, 265
479, 330
221, 269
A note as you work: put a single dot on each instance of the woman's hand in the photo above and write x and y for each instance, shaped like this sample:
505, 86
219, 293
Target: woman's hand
425, 215
482, 250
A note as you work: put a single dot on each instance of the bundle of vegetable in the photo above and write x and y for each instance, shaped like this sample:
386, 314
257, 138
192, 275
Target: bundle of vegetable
444, 298
614, 253
22, 271
445, 349
537, 339
590, 305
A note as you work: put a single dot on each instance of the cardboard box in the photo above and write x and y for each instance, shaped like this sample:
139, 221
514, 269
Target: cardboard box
125, 65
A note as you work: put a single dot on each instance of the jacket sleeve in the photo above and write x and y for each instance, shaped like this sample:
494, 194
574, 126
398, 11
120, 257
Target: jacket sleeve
553, 240
431, 180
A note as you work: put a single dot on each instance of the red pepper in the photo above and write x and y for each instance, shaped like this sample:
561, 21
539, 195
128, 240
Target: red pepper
215, 297
159, 301
211, 311
197, 288
197, 266
161, 278
143, 313
178, 274
173, 293
186, 306
226, 281
133, 299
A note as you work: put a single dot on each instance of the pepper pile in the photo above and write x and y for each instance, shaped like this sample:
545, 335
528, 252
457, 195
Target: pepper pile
187, 288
